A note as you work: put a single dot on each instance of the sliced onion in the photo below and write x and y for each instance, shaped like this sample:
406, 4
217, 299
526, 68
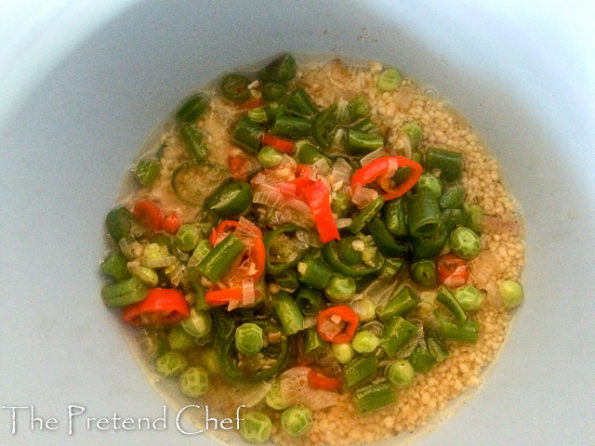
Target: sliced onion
378, 153
295, 389
321, 167
298, 206
248, 293
363, 196
341, 170
343, 222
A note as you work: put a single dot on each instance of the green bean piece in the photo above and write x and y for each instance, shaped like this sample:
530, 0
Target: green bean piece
414, 132
248, 134
511, 292
287, 280
395, 335
193, 108
314, 272
274, 399
399, 303
299, 103
385, 241
356, 109
171, 363
428, 247
389, 79
194, 382
359, 370
446, 298
178, 339
309, 301
234, 87
288, 313
342, 352
147, 275
358, 142
258, 115
273, 91
118, 222
437, 349
249, 338
203, 247
429, 183
424, 214
365, 341
324, 126
274, 109
313, 343
268, 157
194, 141
187, 237
447, 329
256, 427
423, 273
115, 267
341, 203
221, 257
124, 293
307, 153
198, 324
296, 420
146, 171
366, 215
395, 217
469, 297
375, 396
465, 243
473, 216
450, 163
292, 127
400, 373
365, 309
392, 268
421, 359
451, 218
232, 200
282, 69
453, 197
340, 289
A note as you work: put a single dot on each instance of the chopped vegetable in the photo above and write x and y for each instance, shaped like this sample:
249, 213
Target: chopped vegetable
337, 324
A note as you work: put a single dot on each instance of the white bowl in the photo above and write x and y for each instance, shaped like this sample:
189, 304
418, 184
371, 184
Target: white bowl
82, 85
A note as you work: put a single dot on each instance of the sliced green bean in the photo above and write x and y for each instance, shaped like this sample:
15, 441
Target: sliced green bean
314, 273
194, 141
446, 298
219, 259
437, 349
115, 267
307, 153
473, 215
358, 142
375, 396
469, 297
385, 241
288, 313
118, 222
299, 103
429, 183
313, 343
360, 369
292, 127
258, 115
421, 359
273, 91
448, 162
309, 301
146, 171
396, 334
193, 108
248, 134
399, 304
232, 200
424, 214
413, 131
124, 293
366, 215
395, 217
282, 69
453, 197
324, 126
